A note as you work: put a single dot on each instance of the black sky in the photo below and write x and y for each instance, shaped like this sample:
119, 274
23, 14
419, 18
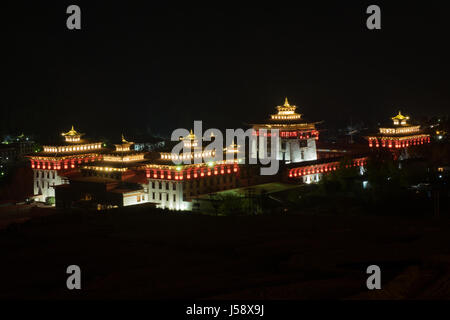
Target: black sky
137, 64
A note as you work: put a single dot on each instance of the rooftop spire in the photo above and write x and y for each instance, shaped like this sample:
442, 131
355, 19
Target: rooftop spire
72, 132
72, 135
400, 116
286, 112
400, 119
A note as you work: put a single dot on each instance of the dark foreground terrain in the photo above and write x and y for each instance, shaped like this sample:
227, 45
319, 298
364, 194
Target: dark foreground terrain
144, 253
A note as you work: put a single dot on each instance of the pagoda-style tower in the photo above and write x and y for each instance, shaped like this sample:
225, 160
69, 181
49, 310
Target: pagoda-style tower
120, 164
123, 153
296, 141
191, 141
194, 149
51, 166
72, 135
399, 136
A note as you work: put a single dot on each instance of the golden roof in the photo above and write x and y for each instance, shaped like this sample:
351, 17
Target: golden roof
124, 146
286, 106
286, 112
400, 117
71, 133
190, 136
124, 140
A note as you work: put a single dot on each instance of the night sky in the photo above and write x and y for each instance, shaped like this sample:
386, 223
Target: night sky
140, 65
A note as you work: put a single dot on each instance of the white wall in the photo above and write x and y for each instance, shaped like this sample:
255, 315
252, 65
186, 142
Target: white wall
167, 194
43, 182
312, 178
294, 153
135, 197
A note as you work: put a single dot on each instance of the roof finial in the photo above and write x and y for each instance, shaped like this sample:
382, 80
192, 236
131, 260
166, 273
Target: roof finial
286, 102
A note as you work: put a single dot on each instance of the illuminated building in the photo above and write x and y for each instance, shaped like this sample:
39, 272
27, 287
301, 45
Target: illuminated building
296, 141
192, 143
400, 135
125, 177
51, 166
116, 164
122, 169
80, 173
173, 186
312, 171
